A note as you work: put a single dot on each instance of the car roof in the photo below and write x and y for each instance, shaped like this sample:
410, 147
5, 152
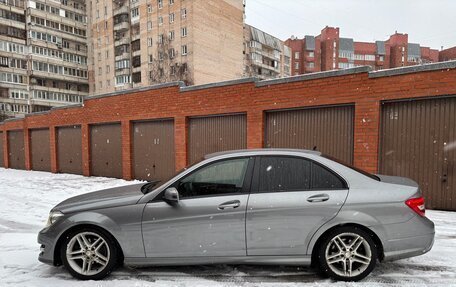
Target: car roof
261, 151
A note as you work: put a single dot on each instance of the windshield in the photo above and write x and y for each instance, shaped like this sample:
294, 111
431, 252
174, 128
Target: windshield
154, 184
373, 176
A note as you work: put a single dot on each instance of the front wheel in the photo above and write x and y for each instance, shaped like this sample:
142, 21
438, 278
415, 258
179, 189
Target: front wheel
89, 254
347, 254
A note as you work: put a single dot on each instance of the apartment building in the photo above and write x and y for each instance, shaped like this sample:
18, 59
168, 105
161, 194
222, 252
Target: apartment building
329, 51
43, 55
137, 43
266, 56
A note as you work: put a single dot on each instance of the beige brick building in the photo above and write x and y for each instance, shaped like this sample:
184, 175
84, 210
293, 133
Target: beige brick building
43, 55
140, 43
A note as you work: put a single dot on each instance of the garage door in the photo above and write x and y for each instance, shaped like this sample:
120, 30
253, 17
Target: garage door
418, 140
153, 149
40, 150
216, 133
106, 150
2, 162
327, 129
16, 154
69, 149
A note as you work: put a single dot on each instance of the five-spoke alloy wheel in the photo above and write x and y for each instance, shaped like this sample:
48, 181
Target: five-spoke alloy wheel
89, 254
347, 254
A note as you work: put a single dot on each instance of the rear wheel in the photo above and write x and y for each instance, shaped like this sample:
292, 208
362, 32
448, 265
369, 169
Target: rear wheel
347, 254
89, 254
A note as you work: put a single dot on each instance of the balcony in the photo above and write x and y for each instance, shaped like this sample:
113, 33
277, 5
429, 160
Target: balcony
120, 9
122, 41
122, 26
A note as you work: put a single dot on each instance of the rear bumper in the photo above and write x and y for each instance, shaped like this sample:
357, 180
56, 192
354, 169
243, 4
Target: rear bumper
415, 246
408, 239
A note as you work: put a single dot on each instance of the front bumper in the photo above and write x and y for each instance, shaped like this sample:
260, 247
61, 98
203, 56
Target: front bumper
48, 243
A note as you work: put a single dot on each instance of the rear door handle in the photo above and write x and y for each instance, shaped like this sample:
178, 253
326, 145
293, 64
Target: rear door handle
229, 204
318, 198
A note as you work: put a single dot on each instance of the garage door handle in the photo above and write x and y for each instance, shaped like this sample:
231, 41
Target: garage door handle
318, 198
229, 204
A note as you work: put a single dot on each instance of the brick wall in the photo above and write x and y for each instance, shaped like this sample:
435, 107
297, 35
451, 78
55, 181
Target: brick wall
359, 86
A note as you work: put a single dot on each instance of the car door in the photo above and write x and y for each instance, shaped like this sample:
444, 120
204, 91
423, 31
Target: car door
208, 220
291, 198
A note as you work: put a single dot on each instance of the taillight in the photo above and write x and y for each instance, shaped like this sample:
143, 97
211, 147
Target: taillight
417, 205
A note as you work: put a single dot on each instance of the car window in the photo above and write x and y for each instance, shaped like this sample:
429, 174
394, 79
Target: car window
284, 174
322, 178
221, 177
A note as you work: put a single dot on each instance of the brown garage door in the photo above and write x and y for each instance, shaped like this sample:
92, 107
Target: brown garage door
153, 149
16, 149
106, 150
418, 140
40, 150
216, 133
327, 129
69, 149
2, 163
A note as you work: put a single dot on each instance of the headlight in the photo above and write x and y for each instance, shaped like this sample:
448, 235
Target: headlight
53, 217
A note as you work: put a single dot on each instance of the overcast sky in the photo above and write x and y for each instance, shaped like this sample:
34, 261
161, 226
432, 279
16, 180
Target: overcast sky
427, 22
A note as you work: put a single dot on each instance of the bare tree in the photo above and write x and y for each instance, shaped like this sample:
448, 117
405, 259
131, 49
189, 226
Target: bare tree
165, 66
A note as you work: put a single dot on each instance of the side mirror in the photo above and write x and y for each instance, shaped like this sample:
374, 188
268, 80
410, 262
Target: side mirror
171, 195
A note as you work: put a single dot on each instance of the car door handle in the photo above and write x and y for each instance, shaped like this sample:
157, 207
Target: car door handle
229, 204
318, 198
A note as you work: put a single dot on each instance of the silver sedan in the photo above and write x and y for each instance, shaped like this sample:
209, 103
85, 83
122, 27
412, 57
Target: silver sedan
266, 206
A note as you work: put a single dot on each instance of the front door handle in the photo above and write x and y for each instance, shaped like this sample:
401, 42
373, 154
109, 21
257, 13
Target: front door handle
229, 204
318, 198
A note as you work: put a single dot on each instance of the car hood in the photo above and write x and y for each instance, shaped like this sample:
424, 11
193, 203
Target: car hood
397, 180
117, 196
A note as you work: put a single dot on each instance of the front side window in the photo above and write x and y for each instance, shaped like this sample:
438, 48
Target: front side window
222, 177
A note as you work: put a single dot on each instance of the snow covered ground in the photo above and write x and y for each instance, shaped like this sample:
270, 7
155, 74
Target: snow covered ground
27, 196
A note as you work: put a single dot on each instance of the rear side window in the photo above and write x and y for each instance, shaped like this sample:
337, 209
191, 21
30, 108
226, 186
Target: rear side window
322, 178
284, 174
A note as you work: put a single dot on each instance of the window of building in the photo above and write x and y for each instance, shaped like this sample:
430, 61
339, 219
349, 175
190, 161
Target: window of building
149, 8
135, 12
160, 4
184, 13
160, 39
296, 54
380, 58
310, 65
311, 54
171, 35
149, 42
108, 68
151, 58
122, 80
184, 50
100, 71
171, 53
369, 57
149, 25
136, 61
136, 77
184, 32
160, 20
171, 18
223, 177
171, 2
297, 65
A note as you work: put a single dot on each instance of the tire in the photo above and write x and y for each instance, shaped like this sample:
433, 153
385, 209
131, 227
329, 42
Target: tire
347, 254
94, 253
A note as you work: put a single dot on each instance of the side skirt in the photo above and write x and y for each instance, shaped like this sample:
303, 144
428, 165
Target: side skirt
202, 260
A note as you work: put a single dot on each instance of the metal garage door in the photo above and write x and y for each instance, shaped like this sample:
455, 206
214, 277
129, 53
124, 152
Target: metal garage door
327, 129
16, 154
2, 162
418, 140
153, 149
40, 150
216, 133
69, 149
106, 150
